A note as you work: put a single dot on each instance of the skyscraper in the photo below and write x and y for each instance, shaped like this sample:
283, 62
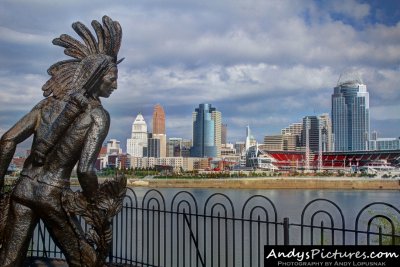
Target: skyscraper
350, 114
326, 132
216, 116
136, 146
159, 129
250, 140
158, 120
174, 146
224, 133
312, 123
291, 136
153, 146
206, 132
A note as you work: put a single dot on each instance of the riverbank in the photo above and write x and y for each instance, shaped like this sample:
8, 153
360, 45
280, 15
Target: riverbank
272, 183
264, 183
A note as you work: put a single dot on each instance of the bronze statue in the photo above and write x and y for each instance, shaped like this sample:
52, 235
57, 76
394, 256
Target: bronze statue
69, 127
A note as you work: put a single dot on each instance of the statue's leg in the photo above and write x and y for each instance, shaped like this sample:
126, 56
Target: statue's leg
68, 235
18, 233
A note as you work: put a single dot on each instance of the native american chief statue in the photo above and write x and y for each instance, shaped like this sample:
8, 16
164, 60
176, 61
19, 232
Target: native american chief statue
68, 126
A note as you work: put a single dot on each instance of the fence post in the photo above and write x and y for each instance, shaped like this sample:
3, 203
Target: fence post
286, 231
110, 251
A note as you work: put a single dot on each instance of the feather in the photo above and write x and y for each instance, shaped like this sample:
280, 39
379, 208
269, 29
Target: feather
67, 64
86, 36
117, 39
72, 52
68, 46
62, 76
74, 43
108, 35
100, 35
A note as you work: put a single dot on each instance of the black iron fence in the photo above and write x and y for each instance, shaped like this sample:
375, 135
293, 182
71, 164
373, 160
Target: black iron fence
179, 231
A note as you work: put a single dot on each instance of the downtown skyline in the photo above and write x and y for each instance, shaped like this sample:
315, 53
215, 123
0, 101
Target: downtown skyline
265, 64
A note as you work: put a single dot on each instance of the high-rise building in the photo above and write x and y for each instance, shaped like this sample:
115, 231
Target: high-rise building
158, 120
291, 136
185, 148
350, 114
174, 147
273, 142
377, 143
136, 146
224, 133
290, 142
326, 132
250, 140
294, 128
206, 132
178, 147
159, 129
163, 143
113, 147
216, 116
312, 133
240, 147
153, 146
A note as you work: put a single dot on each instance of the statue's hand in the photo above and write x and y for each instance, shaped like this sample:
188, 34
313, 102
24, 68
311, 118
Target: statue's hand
80, 100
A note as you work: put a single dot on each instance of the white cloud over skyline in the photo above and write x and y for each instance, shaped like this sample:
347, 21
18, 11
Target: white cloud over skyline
261, 63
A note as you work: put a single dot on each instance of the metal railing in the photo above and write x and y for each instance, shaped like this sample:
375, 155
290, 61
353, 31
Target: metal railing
182, 232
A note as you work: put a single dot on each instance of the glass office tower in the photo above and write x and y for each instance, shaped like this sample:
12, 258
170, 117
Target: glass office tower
204, 144
350, 114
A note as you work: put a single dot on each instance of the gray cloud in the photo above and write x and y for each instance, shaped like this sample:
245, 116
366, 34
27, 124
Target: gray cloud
262, 63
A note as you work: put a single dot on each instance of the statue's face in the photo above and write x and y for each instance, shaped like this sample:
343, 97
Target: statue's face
108, 83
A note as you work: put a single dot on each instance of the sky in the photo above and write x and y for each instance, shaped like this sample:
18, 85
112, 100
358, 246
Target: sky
262, 63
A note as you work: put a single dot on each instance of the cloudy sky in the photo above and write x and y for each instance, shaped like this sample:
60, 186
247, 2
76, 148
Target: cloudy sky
262, 63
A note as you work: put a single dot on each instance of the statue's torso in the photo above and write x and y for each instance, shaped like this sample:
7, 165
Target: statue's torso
66, 151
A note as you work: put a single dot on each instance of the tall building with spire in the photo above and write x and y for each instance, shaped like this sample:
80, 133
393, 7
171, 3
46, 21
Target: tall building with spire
136, 146
159, 129
350, 114
206, 132
250, 140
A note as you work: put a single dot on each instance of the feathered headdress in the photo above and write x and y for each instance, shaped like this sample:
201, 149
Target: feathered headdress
90, 59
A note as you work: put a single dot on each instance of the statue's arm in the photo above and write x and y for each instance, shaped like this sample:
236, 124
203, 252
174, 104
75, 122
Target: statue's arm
94, 140
18, 133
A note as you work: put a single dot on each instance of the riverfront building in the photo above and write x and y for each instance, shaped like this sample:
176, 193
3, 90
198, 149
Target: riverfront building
291, 136
206, 132
377, 143
350, 114
273, 142
175, 163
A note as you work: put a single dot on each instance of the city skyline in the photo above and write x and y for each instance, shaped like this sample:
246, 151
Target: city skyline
266, 64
